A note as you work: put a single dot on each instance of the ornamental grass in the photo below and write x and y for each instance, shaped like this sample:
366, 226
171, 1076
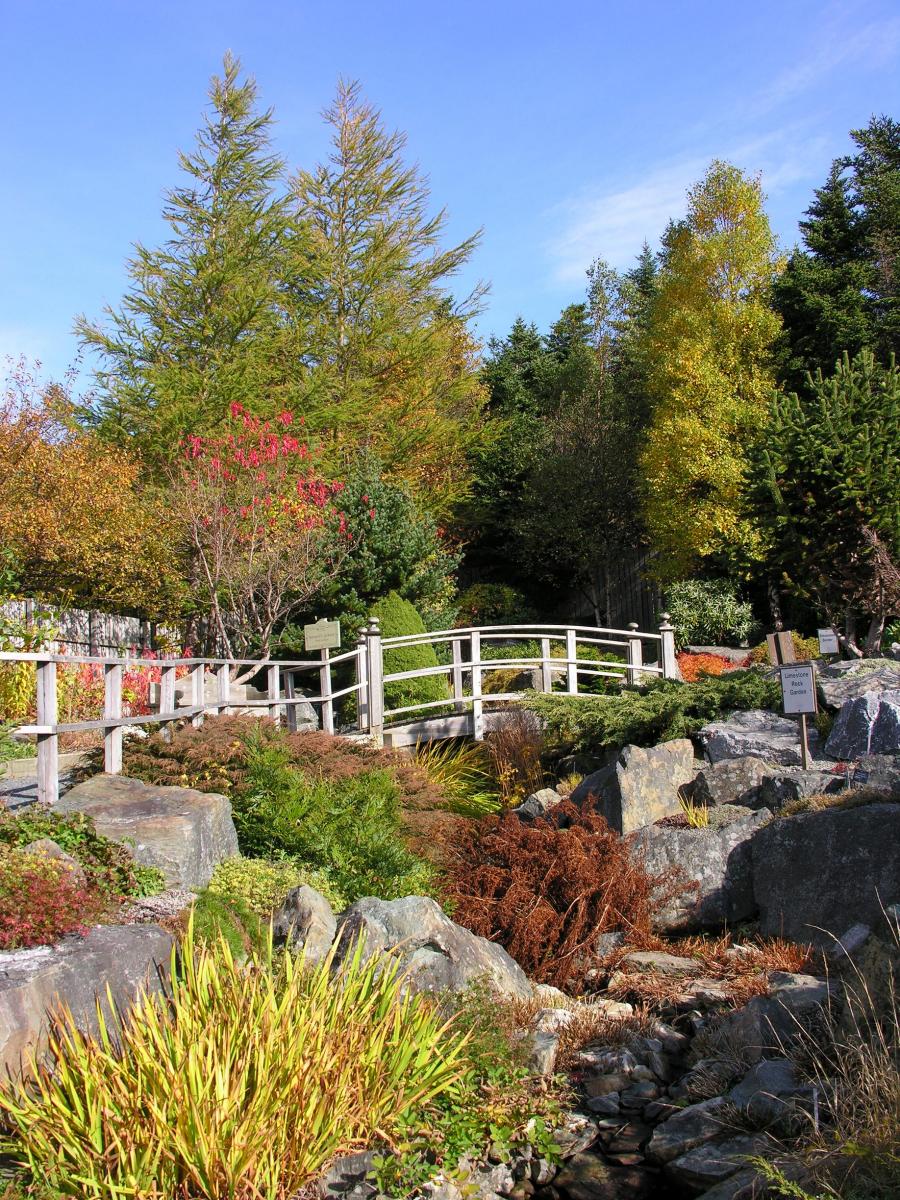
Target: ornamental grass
242, 1082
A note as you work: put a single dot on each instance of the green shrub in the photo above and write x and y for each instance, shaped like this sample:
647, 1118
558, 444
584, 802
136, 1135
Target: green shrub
107, 865
493, 604
706, 612
217, 917
263, 883
399, 618
805, 649
238, 1083
349, 828
11, 747
644, 716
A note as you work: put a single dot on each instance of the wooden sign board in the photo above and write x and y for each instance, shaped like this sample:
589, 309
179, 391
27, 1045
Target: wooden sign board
324, 635
828, 642
798, 689
781, 648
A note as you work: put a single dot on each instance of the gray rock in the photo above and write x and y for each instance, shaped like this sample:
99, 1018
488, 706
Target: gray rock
761, 1093
706, 1078
690, 1127
543, 1048
867, 724
732, 781
47, 848
588, 1177
537, 804
76, 972
304, 920
843, 681
185, 833
816, 873
638, 786
758, 734
769, 1024
605, 1106
435, 955
705, 1166
347, 1177
718, 862
848, 945
880, 773
661, 963
793, 783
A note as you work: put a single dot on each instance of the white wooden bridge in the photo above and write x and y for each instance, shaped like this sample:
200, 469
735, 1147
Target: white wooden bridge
569, 656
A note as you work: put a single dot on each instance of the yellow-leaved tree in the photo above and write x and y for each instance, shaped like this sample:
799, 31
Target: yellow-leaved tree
709, 344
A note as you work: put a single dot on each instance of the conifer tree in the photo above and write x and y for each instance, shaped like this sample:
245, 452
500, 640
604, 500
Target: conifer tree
200, 327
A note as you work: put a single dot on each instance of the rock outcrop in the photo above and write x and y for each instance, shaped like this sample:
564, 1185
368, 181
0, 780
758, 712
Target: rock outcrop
304, 921
184, 832
843, 681
867, 724
638, 786
757, 733
732, 781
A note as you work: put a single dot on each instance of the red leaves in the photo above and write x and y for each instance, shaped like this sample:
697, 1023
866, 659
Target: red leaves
42, 900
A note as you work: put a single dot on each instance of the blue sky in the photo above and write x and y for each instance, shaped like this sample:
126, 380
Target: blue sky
567, 130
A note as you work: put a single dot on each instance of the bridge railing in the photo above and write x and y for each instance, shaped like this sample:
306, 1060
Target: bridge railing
637, 654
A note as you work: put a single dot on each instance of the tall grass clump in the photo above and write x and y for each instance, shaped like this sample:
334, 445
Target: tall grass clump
461, 770
240, 1083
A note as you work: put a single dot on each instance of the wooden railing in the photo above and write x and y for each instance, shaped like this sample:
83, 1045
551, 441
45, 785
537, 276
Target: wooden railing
643, 655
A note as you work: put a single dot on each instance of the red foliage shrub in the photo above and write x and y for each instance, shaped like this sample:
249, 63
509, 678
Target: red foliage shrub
694, 666
545, 889
41, 900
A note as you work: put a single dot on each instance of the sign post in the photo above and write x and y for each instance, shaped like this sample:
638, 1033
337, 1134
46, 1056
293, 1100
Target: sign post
798, 692
828, 642
324, 636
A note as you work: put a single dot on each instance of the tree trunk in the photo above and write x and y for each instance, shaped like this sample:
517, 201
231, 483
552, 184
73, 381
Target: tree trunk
875, 634
775, 606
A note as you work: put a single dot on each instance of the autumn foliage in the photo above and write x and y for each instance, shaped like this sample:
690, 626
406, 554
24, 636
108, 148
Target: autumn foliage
546, 889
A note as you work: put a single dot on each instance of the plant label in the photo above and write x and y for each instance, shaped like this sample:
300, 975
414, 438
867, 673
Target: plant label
324, 635
828, 642
798, 689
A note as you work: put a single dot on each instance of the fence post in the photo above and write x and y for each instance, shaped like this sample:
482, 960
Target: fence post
635, 655
166, 697
362, 683
325, 692
477, 706
274, 692
47, 743
376, 681
223, 675
458, 702
198, 693
571, 667
112, 711
546, 673
669, 662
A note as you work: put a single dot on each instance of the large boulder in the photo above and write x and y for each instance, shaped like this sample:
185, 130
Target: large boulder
879, 773
867, 724
818, 873
843, 681
304, 921
767, 1025
638, 786
435, 955
790, 784
184, 832
130, 959
732, 781
717, 862
757, 733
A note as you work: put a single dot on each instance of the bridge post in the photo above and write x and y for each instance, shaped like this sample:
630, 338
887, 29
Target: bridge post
362, 683
635, 656
457, 674
546, 673
571, 667
477, 706
669, 662
376, 681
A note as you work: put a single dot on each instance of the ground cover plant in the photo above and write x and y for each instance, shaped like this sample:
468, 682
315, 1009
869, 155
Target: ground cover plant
134, 1114
42, 899
546, 889
657, 712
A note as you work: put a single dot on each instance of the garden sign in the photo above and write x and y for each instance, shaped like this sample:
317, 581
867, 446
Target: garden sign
798, 692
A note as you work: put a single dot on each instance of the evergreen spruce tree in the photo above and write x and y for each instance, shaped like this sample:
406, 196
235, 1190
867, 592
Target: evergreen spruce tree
200, 327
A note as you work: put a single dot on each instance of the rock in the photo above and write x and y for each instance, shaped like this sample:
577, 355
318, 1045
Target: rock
638, 786
435, 955
768, 1024
793, 783
758, 734
605, 1106
867, 724
661, 963
718, 862
732, 781
706, 1078
848, 945
760, 1094
183, 832
537, 804
542, 1051
304, 920
690, 1127
47, 848
75, 972
879, 773
706, 1166
552, 1020
347, 1177
843, 681
576, 1134
588, 1177
816, 873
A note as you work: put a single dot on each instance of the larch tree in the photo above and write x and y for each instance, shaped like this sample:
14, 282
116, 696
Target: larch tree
708, 350
201, 326
390, 357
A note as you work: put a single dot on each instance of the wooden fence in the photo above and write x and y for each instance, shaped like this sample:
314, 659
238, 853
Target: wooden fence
633, 655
